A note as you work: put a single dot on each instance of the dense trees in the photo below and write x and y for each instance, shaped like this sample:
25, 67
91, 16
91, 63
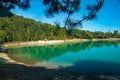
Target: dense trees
18, 28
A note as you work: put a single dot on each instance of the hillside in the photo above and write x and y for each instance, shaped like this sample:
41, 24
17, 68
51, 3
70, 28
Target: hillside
18, 28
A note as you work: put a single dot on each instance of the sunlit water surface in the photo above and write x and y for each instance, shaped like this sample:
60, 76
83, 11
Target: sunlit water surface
101, 57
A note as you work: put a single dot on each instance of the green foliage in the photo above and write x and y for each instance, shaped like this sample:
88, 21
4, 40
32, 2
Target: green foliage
18, 28
2, 36
89, 34
108, 34
99, 34
75, 33
116, 34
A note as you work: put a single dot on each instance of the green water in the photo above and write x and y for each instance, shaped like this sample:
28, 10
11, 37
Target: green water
102, 57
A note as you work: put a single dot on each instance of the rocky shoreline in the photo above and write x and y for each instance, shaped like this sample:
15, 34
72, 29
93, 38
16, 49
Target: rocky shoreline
5, 59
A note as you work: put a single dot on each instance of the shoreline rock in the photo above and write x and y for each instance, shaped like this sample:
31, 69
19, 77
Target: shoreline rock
5, 59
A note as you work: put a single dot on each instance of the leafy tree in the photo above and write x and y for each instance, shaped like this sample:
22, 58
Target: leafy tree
61, 33
89, 35
108, 34
28, 34
99, 34
2, 36
116, 34
84, 35
76, 33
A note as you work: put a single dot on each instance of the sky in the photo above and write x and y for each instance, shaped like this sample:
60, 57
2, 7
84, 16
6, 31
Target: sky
108, 18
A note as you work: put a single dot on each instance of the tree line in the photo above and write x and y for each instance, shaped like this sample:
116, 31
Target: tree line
18, 28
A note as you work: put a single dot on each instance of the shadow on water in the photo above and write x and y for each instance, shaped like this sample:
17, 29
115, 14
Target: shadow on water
94, 67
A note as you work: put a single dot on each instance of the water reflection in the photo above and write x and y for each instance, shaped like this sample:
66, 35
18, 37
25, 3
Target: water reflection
65, 55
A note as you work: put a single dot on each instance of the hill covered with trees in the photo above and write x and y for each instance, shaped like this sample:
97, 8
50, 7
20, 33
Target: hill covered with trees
18, 28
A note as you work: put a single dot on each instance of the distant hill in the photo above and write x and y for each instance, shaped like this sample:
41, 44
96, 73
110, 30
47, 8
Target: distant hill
18, 28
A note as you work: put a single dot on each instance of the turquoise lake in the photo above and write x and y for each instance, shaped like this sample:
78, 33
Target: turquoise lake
100, 57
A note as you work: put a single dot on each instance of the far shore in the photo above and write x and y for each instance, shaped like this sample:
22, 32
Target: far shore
51, 42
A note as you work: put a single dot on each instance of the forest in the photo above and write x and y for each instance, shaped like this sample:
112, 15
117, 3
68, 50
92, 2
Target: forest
18, 28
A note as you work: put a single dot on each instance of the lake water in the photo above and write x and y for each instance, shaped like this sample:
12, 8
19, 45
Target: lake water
100, 57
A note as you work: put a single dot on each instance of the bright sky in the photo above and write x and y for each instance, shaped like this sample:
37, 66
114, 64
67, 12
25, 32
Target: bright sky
108, 18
